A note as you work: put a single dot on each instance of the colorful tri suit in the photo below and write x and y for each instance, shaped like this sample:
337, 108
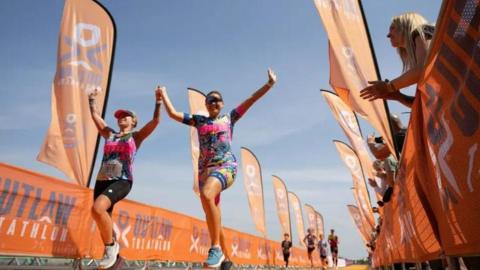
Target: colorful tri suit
118, 156
215, 137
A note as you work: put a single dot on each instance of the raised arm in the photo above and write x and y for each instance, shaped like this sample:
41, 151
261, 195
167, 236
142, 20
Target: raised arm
101, 125
383, 89
177, 116
413, 75
146, 130
272, 79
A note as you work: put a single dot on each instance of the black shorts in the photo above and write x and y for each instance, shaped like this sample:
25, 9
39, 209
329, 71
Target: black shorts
115, 190
286, 256
310, 249
323, 257
334, 250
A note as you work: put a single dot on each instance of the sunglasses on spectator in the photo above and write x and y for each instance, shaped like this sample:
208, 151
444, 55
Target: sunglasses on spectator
213, 99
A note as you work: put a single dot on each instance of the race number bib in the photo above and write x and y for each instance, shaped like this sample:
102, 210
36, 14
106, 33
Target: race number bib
111, 169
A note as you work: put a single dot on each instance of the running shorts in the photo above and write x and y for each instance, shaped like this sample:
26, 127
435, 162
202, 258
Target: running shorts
115, 190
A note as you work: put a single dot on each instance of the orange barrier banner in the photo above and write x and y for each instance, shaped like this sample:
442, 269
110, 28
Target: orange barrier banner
252, 180
407, 233
48, 217
42, 216
281, 200
298, 214
196, 99
439, 167
357, 220
448, 131
83, 64
320, 223
312, 218
360, 191
351, 61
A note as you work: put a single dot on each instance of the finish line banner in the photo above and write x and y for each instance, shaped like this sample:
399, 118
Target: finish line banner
48, 217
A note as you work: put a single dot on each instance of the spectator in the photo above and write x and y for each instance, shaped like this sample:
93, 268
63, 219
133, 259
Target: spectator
410, 34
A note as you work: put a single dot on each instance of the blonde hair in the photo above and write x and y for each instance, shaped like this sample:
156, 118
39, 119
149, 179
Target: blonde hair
409, 24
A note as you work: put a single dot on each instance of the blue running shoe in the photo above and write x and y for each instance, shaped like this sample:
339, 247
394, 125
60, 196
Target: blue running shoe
215, 257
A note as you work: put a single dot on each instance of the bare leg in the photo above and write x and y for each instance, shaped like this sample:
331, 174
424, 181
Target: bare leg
208, 215
102, 218
209, 191
223, 244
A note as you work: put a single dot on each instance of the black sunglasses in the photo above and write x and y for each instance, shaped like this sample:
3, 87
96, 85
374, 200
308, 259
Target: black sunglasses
213, 99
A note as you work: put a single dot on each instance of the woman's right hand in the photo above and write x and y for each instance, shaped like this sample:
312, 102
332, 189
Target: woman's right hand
376, 90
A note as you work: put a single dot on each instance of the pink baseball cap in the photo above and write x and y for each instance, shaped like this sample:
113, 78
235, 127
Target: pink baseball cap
121, 113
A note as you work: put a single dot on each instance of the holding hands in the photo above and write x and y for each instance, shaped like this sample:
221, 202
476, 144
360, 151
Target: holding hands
159, 94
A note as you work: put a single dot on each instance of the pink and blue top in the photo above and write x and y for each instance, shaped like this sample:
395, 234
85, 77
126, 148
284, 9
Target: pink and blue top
215, 137
118, 155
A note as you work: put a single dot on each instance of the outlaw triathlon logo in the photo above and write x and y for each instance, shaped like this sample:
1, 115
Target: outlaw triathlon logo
241, 247
282, 200
36, 214
253, 188
263, 250
298, 212
312, 220
348, 7
143, 232
349, 121
319, 225
354, 166
199, 241
80, 67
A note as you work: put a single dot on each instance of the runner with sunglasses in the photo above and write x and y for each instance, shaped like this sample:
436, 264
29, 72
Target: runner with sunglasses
217, 166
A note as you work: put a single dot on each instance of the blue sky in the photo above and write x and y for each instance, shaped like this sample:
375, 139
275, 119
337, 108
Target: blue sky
222, 45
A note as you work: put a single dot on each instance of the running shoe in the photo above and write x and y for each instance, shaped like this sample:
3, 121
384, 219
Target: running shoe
215, 257
110, 257
226, 265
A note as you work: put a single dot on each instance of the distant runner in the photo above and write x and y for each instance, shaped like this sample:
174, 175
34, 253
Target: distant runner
310, 241
333, 242
322, 249
286, 246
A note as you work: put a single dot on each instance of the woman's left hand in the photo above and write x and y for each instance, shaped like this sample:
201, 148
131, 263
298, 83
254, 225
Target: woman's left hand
272, 77
377, 89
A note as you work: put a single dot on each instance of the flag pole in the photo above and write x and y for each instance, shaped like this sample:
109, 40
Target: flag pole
107, 90
377, 71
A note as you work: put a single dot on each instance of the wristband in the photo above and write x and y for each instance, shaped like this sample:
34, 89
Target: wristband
390, 87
